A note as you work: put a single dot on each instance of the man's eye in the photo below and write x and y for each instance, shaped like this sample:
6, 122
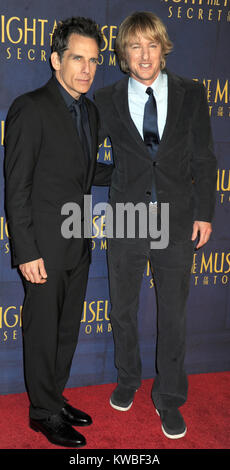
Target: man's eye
94, 61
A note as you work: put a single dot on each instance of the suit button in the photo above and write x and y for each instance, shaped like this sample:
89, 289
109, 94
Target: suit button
148, 193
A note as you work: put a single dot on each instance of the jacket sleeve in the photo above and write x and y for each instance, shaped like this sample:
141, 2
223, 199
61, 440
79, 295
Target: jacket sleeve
103, 171
204, 165
102, 128
23, 135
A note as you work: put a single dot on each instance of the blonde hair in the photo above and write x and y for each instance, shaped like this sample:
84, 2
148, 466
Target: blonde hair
142, 22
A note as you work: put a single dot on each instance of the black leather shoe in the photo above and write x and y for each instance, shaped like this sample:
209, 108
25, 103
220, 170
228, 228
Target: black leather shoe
57, 431
75, 417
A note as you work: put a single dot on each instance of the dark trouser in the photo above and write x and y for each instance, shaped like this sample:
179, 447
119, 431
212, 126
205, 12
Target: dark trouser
51, 321
171, 270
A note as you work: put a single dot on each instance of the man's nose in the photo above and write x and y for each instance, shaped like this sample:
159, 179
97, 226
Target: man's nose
86, 66
145, 53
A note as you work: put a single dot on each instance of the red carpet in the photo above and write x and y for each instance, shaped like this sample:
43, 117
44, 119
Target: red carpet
207, 415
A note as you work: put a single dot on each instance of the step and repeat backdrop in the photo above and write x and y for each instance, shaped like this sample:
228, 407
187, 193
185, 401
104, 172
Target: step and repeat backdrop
199, 30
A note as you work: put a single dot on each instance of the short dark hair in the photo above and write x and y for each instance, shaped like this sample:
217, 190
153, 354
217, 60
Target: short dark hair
77, 25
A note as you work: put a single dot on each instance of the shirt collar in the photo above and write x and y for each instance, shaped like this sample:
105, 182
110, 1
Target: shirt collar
69, 100
139, 88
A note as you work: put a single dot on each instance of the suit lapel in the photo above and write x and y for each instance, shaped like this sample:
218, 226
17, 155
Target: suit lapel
70, 129
63, 112
120, 101
175, 100
65, 116
93, 134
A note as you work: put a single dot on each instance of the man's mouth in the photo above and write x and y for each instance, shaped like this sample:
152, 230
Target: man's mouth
145, 66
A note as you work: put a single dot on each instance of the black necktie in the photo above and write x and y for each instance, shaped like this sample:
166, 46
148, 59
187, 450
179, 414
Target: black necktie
76, 110
150, 130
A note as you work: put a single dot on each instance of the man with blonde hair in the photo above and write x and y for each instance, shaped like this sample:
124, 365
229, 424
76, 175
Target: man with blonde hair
159, 127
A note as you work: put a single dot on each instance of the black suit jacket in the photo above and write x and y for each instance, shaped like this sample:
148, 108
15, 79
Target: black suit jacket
185, 168
44, 168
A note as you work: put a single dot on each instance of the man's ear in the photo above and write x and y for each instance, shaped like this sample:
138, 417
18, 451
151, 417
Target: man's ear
55, 61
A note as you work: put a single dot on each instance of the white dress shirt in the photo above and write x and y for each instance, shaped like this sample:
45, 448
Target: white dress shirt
137, 98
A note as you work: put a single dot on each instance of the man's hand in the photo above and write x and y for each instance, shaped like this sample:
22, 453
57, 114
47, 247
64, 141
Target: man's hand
204, 230
34, 271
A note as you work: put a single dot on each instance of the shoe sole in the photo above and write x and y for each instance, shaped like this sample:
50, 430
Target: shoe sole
120, 408
171, 436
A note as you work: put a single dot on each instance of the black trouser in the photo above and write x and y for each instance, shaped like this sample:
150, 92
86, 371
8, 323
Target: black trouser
51, 321
171, 267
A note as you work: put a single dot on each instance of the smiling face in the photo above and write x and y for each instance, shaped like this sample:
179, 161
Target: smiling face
76, 69
143, 56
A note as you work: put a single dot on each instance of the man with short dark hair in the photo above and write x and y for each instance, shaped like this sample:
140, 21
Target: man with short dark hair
158, 124
50, 159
